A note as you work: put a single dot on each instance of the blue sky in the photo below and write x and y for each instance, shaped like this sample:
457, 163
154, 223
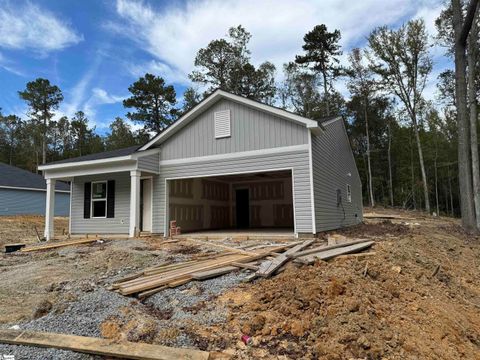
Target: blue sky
94, 49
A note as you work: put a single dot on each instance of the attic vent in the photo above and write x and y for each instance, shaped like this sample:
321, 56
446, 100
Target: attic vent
222, 123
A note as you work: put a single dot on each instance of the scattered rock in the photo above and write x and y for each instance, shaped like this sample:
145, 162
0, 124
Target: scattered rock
42, 309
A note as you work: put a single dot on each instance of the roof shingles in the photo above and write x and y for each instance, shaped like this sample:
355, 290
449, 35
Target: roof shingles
11, 176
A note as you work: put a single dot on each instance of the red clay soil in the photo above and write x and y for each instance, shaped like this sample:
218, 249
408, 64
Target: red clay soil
417, 298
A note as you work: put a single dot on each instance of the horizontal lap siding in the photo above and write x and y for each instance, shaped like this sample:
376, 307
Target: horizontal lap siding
297, 160
28, 202
149, 163
332, 160
250, 130
117, 225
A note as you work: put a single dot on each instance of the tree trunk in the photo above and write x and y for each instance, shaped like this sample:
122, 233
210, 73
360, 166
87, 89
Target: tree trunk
370, 182
472, 102
451, 193
413, 177
390, 180
436, 183
325, 92
422, 164
464, 168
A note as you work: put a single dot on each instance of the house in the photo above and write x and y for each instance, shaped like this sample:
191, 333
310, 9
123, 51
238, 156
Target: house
228, 163
24, 193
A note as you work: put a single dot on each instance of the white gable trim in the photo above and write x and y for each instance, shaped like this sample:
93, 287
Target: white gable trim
220, 94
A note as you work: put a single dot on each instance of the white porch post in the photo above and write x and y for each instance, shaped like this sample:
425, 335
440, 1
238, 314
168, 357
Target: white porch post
134, 202
50, 209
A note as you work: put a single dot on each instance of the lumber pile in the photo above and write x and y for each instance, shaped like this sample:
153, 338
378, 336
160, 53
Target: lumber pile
97, 346
309, 256
168, 275
152, 280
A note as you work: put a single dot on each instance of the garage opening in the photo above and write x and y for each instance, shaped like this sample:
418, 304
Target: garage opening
255, 202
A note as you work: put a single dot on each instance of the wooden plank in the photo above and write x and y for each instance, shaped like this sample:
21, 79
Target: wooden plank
145, 294
246, 266
359, 255
57, 245
97, 346
202, 275
267, 268
329, 254
324, 248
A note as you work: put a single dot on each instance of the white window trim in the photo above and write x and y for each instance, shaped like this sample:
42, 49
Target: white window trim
349, 193
92, 199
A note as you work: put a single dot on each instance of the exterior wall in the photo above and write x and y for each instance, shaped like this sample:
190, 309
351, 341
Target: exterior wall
116, 225
250, 130
332, 162
149, 163
29, 202
298, 160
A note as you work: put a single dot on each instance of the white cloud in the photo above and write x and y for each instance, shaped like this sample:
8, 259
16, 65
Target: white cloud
174, 34
169, 73
35, 28
99, 97
7, 65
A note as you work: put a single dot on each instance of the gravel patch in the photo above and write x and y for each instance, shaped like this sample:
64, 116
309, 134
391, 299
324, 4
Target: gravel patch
183, 305
81, 317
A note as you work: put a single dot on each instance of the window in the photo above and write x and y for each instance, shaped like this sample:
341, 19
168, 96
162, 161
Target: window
99, 199
349, 193
222, 123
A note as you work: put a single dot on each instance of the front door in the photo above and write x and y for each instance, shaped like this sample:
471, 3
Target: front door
242, 208
146, 205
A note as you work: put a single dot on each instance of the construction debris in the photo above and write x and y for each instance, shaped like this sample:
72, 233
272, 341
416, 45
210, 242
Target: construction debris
154, 279
58, 245
329, 254
9, 248
97, 346
178, 274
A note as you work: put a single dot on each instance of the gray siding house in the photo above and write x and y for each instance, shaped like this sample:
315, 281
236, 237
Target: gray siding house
23, 193
229, 163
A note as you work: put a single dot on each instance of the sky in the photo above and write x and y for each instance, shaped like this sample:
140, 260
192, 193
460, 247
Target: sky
95, 49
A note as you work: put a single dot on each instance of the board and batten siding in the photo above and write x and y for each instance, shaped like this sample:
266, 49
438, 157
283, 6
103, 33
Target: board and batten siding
333, 168
298, 160
116, 225
250, 130
31, 202
149, 163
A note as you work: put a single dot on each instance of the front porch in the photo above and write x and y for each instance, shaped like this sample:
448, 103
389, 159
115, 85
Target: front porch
107, 196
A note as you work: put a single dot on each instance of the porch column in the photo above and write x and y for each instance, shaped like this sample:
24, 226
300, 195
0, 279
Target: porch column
50, 209
134, 202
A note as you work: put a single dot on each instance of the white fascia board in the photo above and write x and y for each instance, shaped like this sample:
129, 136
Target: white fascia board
332, 120
236, 155
220, 94
31, 189
92, 170
118, 159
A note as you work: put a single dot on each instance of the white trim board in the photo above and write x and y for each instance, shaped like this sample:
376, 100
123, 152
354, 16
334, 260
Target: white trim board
133, 156
312, 195
31, 189
220, 94
234, 155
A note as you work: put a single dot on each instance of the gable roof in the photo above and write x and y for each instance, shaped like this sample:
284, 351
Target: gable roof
16, 178
216, 96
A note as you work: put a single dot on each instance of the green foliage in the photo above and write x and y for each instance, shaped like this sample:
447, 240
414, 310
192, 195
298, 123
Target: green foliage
121, 135
153, 101
42, 99
190, 98
225, 64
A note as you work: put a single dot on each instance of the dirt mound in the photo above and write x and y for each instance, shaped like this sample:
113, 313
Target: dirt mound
418, 297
